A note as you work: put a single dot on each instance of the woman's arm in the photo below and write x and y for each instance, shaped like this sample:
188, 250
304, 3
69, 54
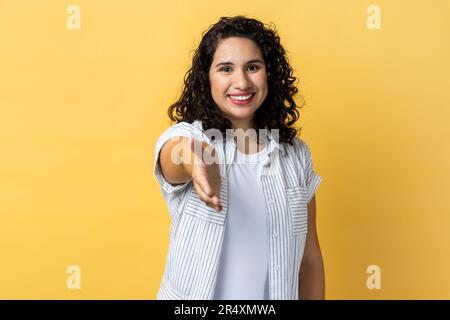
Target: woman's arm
311, 276
175, 172
181, 160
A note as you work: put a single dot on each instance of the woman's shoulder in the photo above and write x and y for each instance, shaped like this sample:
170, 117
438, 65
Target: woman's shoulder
185, 129
298, 148
296, 145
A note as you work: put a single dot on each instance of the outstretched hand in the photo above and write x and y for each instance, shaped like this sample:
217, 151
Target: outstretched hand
206, 174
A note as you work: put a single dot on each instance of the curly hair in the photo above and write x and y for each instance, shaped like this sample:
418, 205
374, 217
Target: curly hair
278, 111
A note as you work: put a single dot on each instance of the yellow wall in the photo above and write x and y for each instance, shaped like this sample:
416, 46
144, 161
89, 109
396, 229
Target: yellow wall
80, 111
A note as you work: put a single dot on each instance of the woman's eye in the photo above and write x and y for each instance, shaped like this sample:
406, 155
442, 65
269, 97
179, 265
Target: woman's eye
253, 68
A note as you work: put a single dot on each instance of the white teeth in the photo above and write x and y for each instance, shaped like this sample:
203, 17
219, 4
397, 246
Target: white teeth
241, 97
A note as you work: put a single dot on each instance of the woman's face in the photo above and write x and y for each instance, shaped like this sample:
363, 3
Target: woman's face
238, 70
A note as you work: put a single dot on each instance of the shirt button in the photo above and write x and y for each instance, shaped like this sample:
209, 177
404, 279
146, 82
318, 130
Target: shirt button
276, 268
275, 235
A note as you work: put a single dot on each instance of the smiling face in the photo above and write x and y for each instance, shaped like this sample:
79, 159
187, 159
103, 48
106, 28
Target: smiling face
238, 80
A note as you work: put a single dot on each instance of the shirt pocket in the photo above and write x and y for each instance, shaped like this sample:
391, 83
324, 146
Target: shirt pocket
296, 197
197, 208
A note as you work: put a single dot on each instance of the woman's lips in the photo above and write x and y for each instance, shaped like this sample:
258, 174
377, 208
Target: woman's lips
241, 102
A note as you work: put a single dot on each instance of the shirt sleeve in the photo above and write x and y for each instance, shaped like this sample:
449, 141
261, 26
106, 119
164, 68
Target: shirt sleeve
312, 179
180, 129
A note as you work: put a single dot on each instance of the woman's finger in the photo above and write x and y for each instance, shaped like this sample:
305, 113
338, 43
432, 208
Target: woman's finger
210, 201
203, 196
206, 188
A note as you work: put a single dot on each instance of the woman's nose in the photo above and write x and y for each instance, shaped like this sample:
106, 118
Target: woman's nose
241, 81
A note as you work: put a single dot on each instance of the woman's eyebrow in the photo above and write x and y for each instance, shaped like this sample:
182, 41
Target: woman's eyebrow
231, 63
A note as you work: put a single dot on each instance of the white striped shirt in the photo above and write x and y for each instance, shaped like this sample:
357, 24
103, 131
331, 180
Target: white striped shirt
196, 233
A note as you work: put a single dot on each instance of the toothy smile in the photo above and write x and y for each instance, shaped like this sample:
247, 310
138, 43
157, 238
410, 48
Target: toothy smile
241, 97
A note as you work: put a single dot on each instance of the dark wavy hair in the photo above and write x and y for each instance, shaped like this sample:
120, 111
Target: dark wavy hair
278, 111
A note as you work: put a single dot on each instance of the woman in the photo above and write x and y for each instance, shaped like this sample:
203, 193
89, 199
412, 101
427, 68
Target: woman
242, 205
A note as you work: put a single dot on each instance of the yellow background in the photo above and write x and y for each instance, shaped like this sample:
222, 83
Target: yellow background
80, 111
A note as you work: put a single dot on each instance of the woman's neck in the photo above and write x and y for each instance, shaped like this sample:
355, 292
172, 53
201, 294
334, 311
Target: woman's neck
242, 124
247, 141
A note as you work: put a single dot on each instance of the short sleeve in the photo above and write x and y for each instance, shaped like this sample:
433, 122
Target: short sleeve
180, 129
312, 179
